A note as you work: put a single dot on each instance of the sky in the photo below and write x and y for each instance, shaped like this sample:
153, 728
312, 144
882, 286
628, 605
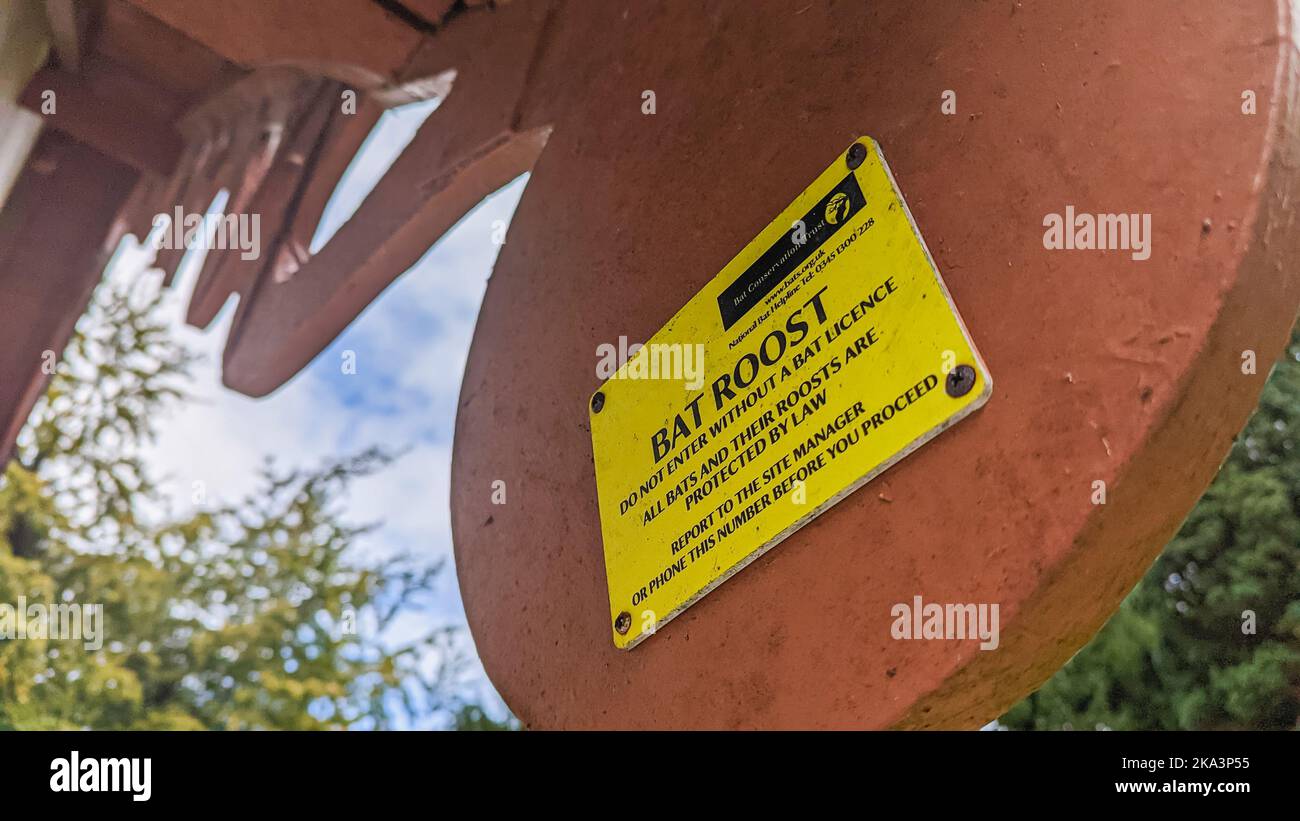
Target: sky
410, 350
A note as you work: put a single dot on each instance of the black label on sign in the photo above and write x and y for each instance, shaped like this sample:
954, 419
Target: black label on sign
785, 256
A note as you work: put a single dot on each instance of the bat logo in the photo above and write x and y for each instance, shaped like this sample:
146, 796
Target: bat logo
837, 209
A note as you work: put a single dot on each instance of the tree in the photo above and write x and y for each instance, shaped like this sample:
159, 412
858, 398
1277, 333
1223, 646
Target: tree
249, 615
1210, 638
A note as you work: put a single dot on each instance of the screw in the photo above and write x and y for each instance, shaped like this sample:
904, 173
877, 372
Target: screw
597, 402
857, 153
623, 623
960, 380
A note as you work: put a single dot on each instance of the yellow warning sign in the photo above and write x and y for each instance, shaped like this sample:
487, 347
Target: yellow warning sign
826, 351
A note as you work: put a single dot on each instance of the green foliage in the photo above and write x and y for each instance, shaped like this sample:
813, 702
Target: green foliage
248, 615
1179, 653
472, 717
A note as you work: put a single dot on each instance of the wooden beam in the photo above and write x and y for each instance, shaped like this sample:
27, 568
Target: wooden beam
51, 258
431, 11
159, 52
350, 40
120, 128
65, 31
467, 149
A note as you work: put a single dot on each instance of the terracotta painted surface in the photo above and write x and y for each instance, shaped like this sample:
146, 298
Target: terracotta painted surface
1106, 368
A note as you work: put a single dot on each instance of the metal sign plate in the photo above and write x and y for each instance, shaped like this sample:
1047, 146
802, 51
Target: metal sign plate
826, 351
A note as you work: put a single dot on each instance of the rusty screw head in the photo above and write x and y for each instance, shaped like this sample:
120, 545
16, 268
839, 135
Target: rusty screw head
597, 402
960, 380
623, 623
857, 153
